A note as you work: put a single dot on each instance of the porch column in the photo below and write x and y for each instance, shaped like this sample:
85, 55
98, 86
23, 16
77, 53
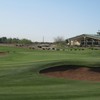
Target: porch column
69, 42
99, 43
92, 42
84, 41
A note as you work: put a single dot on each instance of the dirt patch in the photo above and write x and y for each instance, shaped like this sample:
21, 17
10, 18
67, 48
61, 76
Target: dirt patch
73, 72
3, 53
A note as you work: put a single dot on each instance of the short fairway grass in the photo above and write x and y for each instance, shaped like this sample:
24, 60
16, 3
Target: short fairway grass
20, 78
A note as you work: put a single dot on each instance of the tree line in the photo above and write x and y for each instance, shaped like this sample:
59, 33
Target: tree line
15, 41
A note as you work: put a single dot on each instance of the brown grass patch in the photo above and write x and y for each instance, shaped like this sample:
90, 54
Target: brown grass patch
3, 53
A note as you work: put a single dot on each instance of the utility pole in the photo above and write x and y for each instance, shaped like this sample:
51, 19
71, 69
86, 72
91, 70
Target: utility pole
43, 39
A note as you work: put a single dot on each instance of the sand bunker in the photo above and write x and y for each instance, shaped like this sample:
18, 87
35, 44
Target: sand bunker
73, 72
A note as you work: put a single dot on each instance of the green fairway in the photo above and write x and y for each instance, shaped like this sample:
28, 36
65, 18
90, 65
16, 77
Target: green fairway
20, 78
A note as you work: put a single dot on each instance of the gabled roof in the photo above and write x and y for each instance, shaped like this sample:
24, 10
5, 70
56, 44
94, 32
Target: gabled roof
95, 36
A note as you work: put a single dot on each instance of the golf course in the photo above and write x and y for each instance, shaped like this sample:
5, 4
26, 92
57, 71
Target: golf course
27, 74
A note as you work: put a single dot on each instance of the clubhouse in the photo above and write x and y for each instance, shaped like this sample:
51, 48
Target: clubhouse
85, 40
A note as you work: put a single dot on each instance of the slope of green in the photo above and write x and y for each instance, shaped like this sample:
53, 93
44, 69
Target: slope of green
20, 78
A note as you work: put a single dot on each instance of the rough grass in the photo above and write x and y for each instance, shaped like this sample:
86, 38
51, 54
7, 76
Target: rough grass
20, 78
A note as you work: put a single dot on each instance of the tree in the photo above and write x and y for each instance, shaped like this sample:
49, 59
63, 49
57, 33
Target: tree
60, 42
25, 41
3, 40
9, 40
15, 41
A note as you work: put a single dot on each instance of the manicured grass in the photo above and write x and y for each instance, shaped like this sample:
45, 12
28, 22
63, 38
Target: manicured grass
20, 78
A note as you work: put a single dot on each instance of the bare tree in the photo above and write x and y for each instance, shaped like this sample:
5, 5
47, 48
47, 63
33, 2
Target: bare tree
60, 42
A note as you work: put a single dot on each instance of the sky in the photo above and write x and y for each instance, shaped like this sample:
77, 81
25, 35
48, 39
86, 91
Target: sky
35, 19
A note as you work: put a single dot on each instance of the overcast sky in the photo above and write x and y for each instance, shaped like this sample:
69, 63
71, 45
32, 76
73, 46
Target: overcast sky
35, 19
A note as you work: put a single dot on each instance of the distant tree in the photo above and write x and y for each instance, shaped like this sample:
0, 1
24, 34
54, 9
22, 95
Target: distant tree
9, 40
15, 41
60, 42
0, 40
3, 40
25, 41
